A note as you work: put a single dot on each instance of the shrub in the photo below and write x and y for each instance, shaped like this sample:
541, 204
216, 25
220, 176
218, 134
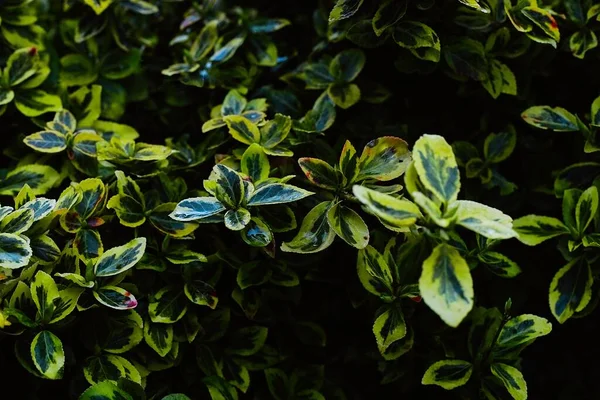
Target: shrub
294, 200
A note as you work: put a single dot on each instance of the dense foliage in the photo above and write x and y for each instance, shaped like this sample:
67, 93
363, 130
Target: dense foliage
311, 200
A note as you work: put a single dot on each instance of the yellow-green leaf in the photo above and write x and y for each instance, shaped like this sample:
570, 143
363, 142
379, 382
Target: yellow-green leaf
44, 293
485, 220
394, 211
437, 168
314, 235
512, 379
15, 251
384, 159
534, 229
348, 225
554, 118
255, 163
242, 130
446, 284
448, 374
375, 273
571, 289
48, 355
121, 258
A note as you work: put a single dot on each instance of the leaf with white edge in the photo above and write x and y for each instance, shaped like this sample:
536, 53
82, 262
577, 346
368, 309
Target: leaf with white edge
484, 220
159, 337
446, 284
374, 273
384, 159
46, 141
571, 289
236, 220
257, 233
389, 326
437, 168
93, 196
40, 206
115, 297
344, 9
277, 193
121, 258
229, 189
15, 251
394, 211
348, 225
448, 374
314, 234
319, 173
512, 379
554, 118
196, 208
534, 229
48, 355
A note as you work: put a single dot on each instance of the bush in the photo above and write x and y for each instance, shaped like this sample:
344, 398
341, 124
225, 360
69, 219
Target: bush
298, 200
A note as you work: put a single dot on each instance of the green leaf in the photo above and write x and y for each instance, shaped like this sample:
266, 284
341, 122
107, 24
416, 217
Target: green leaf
129, 211
278, 383
348, 225
110, 368
201, 293
446, 284
253, 274
595, 112
578, 175
77, 70
388, 14
46, 141
168, 305
467, 58
314, 235
484, 220
344, 95
40, 179
375, 273
255, 163
21, 65
499, 146
45, 250
88, 243
346, 66
33, 103
115, 297
125, 332
545, 117
582, 41
118, 65
277, 193
205, 42
44, 294
512, 379
500, 79
275, 131
483, 332
534, 229
247, 341
344, 9
384, 159
436, 167
6, 96
543, 19
121, 258
413, 35
499, 264
48, 355
196, 208
220, 389
17, 221
242, 130
586, 209
159, 337
105, 390
389, 327
448, 374
393, 211
571, 289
